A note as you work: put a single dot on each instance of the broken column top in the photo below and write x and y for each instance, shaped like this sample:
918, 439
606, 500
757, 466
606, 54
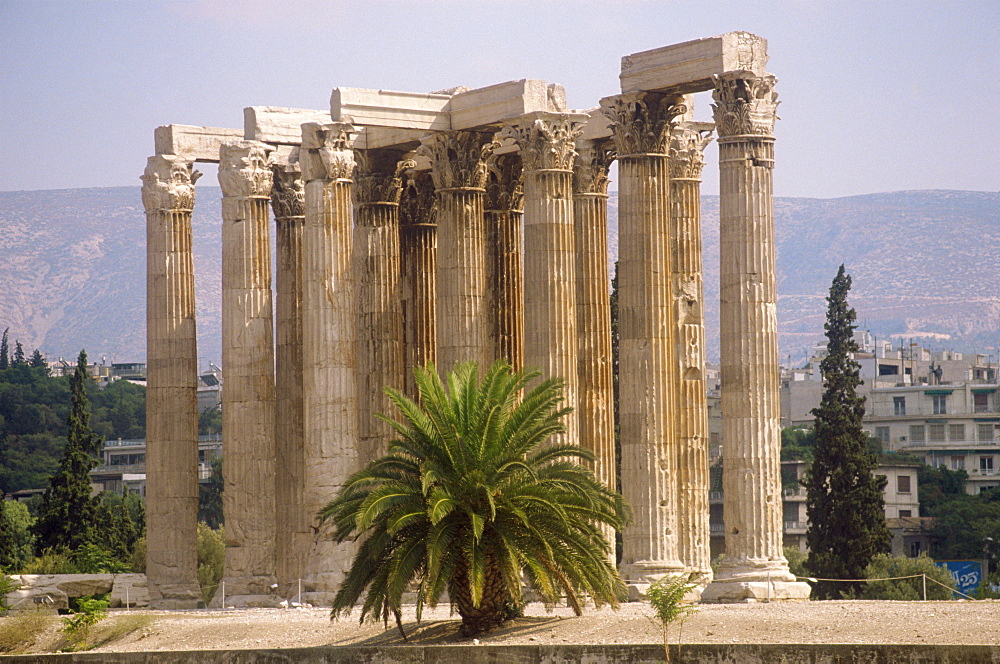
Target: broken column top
689, 67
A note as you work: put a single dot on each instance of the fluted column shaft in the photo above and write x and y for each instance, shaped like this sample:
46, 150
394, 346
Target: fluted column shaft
293, 522
248, 365
459, 172
328, 341
172, 385
380, 321
690, 421
641, 124
504, 258
744, 112
547, 146
418, 281
593, 312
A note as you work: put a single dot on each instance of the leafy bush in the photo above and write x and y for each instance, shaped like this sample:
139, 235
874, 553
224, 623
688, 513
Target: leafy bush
91, 610
7, 585
51, 562
665, 596
211, 557
884, 566
93, 559
796, 558
138, 560
16, 539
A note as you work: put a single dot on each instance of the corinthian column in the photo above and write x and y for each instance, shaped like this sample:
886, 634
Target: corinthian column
294, 535
418, 267
504, 264
641, 124
593, 310
380, 321
458, 162
690, 409
171, 386
329, 400
248, 365
546, 141
754, 566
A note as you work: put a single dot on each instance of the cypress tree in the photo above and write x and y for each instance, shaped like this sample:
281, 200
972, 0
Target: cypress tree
4, 351
37, 361
19, 354
844, 499
68, 510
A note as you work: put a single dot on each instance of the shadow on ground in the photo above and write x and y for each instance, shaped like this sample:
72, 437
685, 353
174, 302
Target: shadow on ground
443, 632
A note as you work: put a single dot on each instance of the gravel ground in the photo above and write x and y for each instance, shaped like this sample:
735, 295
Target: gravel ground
959, 622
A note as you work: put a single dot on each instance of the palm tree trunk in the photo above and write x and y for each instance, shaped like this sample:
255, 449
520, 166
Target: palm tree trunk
495, 606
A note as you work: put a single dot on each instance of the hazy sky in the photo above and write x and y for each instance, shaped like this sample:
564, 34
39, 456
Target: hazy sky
876, 96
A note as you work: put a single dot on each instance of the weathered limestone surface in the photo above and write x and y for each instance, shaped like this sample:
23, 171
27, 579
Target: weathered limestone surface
547, 144
690, 66
277, 125
293, 532
593, 316
52, 592
193, 143
248, 359
418, 279
378, 183
504, 257
744, 111
641, 125
329, 386
459, 170
172, 384
690, 410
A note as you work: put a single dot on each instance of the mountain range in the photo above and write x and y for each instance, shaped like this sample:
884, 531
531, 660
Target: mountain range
922, 262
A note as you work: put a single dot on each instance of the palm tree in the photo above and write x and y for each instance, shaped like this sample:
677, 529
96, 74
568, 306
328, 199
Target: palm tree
469, 498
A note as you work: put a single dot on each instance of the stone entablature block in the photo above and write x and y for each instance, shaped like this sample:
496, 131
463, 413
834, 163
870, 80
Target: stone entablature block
689, 67
194, 143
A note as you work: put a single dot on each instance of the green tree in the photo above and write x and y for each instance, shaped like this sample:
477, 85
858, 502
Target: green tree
19, 358
16, 539
939, 486
844, 499
37, 360
884, 566
964, 523
67, 513
4, 351
471, 495
797, 444
119, 522
210, 497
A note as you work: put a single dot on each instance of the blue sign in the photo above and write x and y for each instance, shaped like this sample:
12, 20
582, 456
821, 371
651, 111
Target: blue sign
968, 574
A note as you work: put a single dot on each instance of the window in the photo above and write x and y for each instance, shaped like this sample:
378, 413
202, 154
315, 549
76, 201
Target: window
958, 463
899, 406
980, 403
882, 433
939, 404
916, 433
902, 484
984, 432
888, 370
956, 432
915, 549
936, 433
985, 464
903, 514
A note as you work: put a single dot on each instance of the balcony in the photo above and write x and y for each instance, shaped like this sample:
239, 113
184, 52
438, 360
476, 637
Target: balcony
799, 492
796, 527
717, 528
715, 495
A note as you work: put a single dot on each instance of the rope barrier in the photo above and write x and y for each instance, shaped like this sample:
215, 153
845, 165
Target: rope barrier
926, 578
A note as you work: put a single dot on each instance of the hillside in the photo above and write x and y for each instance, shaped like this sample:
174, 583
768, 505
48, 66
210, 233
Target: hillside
73, 272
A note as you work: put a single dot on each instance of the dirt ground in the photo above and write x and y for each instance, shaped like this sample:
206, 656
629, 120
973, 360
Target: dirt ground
957, 622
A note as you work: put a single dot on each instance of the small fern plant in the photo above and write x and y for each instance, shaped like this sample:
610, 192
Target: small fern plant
666, 597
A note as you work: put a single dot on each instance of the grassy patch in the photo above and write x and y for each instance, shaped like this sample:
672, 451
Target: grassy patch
118, 627
20, 629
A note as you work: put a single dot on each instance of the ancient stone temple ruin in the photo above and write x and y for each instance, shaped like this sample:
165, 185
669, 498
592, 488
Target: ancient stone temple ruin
471, 225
